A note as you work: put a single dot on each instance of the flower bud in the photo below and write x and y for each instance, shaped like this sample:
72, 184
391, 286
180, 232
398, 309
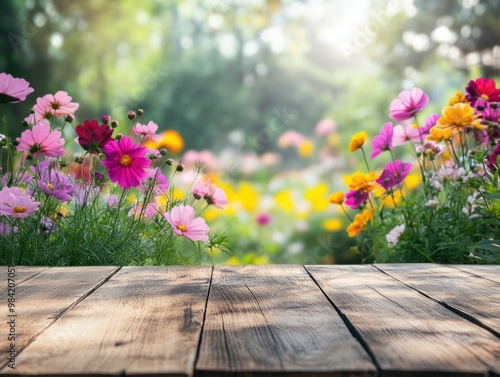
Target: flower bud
79, 160
118, 137
69, 118
15, 143
32, 111
114, 123
180, 167
197, 196
163, 151
99, 177
140, 112
63, 164
105, 119
170, 161
25, 124
131, 114
29, 157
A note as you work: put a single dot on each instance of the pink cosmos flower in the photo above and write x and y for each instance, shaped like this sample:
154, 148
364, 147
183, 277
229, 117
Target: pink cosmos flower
148, 212
57, 105
383, 141
185, 224
40, 141
211, 193
16, 204
408, 103
13, 89
325, 127
126, 162
355, 198
157, 179
290, 138
402, 135
393, 174
430, 149
145, 130
205, 157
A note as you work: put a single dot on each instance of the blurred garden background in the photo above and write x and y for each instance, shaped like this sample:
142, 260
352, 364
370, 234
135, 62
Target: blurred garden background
267, 93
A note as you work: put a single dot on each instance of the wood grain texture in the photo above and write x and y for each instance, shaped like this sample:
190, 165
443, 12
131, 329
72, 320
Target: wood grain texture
268, 320
491, 272
476, 297
42, 299
21, 274
408, 333
143, 321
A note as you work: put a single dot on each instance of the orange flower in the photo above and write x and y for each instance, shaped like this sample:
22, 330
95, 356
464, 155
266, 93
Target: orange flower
357, 141
336, 198
170, 139
458, 98
459, 117
439, 134
361, 182
360, 222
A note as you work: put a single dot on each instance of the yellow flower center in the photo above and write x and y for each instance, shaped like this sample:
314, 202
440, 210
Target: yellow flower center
125, 160
49, 185
485, 97
183, 228
19, 209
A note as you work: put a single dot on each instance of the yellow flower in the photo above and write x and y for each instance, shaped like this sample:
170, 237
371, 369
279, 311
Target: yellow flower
317, 197
178, 195
131, 198
360, 222
439, 134
284, 200
232, 261
306, 148
63, 210
357, 141
413, 180
336, 198
211, 214
333, 225
459, 117
457, 98
361, 182
247, 196
170, 139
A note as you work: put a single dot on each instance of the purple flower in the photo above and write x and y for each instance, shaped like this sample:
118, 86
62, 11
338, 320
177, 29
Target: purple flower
429, 123
355, 198
393, 174
408, 103
263, 218
55, 183
383, 141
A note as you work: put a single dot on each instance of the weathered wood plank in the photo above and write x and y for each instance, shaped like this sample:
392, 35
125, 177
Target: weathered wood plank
478, 298
143, 321
274, 320
491, 272
21, 275
408, 333
44, 298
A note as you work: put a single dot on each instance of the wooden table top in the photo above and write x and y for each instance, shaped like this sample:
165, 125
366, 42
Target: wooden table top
368, 320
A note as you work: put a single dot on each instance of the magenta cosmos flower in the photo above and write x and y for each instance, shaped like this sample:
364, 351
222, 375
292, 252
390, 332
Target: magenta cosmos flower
383, 141
41, 141
408, 103
126, 162
482, 88
12, 89
355, 198
92, 136
185, 224
393, 174
145, 130
263, 219
57, 105
16, 204
211, 193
